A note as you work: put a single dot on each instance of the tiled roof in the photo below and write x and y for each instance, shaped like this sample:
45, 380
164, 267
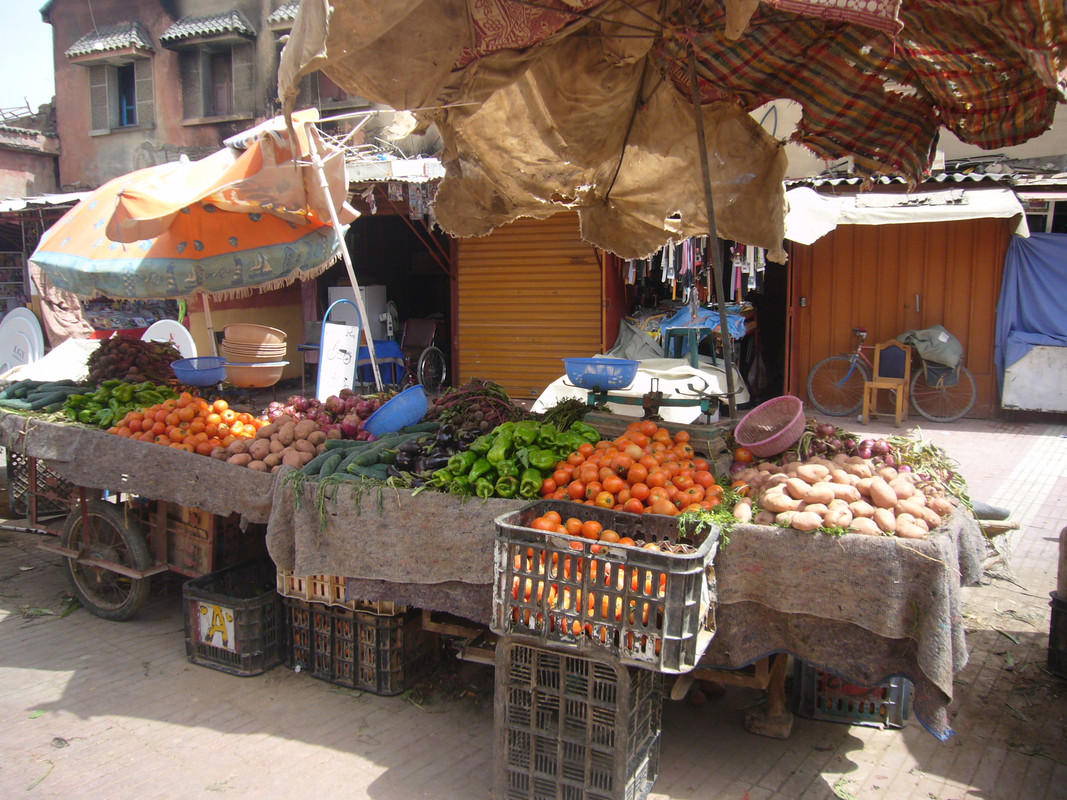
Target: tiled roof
120, 36
883, 180
286, 13
216, 25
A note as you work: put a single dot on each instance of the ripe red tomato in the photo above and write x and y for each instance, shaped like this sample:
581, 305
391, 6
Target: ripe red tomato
743, 455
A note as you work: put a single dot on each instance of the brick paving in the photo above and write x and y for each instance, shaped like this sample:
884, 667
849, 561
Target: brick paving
114, 710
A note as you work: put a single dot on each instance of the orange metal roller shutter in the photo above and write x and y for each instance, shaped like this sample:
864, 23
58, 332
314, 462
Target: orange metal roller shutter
528, 295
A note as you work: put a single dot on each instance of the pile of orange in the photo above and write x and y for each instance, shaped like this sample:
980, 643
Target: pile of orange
189, 423
645, 470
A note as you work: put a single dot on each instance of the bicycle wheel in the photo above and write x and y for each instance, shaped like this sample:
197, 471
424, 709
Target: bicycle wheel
108, 536
432, 369
835, 385
941, 403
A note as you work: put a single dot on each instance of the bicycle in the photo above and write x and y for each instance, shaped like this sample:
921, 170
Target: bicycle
835, 385
424, 362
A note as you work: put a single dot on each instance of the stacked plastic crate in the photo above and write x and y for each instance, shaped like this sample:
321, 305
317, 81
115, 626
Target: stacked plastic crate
378, 647
588, 630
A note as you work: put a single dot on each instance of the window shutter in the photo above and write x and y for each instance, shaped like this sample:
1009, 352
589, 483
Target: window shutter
146, 106
192, 73
244, 78
100, 118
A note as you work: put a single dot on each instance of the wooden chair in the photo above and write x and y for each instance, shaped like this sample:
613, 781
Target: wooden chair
892, 371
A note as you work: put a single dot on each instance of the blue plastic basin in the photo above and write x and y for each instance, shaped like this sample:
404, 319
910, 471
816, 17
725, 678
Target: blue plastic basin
200, 371
405, 409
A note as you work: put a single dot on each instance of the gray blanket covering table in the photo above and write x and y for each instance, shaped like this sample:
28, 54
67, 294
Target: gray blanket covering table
866, 608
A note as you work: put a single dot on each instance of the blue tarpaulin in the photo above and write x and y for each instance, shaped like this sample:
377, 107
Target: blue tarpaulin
1033, 298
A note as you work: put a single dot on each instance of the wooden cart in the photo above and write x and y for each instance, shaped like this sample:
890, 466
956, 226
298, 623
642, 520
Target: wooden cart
117, 527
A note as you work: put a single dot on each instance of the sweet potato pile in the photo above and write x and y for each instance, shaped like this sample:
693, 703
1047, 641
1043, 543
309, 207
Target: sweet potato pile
846, 493
284, 441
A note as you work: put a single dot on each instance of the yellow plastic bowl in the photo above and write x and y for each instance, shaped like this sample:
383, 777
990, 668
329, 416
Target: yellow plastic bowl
254, 376
247, 333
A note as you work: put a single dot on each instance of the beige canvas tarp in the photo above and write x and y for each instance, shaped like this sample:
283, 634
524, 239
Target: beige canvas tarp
583, 124
588, 104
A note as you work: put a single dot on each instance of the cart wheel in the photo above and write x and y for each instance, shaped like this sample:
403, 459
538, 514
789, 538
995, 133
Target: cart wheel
108, 536
432, 370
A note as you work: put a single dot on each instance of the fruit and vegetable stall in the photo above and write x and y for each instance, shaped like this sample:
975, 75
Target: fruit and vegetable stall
665, 549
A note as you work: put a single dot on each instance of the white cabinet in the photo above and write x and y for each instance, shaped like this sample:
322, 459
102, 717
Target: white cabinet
373, 300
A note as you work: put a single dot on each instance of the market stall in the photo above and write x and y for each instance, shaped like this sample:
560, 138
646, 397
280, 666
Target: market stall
864, 607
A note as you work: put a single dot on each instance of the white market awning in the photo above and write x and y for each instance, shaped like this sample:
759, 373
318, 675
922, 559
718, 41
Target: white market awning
811, 215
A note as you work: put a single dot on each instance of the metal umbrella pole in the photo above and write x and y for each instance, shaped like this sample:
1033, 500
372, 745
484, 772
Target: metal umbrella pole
716, 261
316, 160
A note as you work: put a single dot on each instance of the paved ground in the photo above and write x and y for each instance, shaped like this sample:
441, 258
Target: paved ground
114, 710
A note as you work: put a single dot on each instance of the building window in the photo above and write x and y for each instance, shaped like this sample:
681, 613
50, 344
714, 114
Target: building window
120, 95
217, 59
217, 81
118, 58
126, 81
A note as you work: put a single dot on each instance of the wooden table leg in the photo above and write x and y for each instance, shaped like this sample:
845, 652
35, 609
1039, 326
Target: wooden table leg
772, 719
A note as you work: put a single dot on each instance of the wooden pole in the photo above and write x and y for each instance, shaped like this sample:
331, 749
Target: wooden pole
713, 241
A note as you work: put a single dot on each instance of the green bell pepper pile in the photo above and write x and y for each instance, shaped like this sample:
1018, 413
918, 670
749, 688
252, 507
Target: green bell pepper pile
512, 460
114, 400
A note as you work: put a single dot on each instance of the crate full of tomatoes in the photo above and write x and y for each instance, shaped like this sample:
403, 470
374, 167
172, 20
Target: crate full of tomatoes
637, 585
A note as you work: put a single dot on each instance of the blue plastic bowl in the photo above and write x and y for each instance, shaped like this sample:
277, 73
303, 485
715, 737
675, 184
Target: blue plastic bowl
601, 373
202, 371
405, 409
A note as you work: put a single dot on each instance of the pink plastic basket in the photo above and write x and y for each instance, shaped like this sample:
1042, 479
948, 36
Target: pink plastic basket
772, 427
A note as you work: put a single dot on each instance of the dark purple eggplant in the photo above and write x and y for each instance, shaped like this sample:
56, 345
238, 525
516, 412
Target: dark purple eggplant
438, 459
446, 436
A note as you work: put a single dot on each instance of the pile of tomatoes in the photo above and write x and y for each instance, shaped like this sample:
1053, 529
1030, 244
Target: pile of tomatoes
188, 423
553, 522
645, 470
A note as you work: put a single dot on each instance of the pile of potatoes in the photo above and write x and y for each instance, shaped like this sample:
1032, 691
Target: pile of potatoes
847, 492
284, 441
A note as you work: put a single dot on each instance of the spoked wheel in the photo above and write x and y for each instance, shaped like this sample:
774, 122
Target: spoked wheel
432, 370
941, 403
104, 535
835, 386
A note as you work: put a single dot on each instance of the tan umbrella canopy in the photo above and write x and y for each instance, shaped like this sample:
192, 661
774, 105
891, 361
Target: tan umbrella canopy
590, 104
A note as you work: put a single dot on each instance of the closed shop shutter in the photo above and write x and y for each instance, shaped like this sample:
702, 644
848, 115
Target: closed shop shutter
528, 295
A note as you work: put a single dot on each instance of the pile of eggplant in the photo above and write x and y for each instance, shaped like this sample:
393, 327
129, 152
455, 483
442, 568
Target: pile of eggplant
423, 456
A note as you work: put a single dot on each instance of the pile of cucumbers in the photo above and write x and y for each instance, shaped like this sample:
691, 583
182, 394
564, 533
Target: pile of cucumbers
31, 395
351, 458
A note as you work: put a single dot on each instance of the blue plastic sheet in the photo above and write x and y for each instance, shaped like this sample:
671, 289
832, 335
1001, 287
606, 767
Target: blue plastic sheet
706, 318
1033, 306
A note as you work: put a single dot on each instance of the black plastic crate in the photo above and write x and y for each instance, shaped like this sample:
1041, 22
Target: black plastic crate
574, 727
650, 608
824, 696
54, 495
233, 619
380, 654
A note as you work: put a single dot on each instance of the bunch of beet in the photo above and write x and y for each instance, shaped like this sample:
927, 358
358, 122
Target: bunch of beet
345, 412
